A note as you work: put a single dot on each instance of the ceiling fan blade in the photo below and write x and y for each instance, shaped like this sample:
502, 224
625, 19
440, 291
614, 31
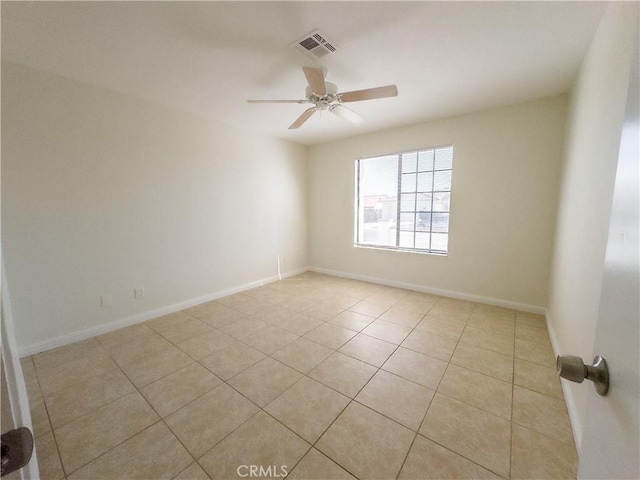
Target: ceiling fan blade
315, 78
346, 113
369, 94
303, 118
278, 101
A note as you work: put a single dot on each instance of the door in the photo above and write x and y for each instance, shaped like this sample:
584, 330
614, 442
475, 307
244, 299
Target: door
15, 404
611, 445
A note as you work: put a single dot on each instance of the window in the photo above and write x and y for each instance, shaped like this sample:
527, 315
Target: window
403, 200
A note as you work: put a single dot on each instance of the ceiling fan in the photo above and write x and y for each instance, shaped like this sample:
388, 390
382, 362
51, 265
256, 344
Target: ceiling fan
324, 95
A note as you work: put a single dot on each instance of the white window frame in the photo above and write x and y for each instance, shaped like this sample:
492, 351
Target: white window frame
359, 209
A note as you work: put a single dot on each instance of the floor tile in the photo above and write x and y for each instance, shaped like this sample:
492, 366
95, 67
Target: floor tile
274, 314
221, 316
342, 300
473, 433
317, 466
224, 410
48, 460
156, 366
343, 373
173, 391
203, 309
329, 335
244, 327
264, 381
477, 389
384, 299
302, 354
81, 398
270, 339
232, 360
123, 335
429, 461
444, 309
308, 408
39, 418
52, 359
243, 303
31, 379
307, 359
414, 366
533, 334
369, 308
493, 312
437, 346
530, 320
193, 472
542, 414
351, 320
137, 348
439, 326
416, 303
261, 442
399, 316
368, 349
322, 311
297, 304
454, 304
535, 352
179, 329
484, 361
299, 323
389, 332
493, 324
82, 368
87, 437
535, 456
539, 378
167, 322
357, 433
485, 339
399, 399
153, 453
206, 344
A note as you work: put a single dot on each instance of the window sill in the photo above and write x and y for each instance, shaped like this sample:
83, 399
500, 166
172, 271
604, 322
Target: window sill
401, 250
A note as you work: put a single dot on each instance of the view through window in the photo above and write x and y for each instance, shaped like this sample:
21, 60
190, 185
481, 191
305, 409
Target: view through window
403, 200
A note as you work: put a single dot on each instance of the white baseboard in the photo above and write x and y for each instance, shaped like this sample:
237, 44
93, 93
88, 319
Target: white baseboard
523, 307
84, 334
569, 398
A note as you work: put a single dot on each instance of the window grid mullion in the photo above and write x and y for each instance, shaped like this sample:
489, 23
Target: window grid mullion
415, 204
433, 185
399, 202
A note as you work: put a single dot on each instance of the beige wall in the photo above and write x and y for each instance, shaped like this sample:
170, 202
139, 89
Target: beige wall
503, 204
593, 135
103, 193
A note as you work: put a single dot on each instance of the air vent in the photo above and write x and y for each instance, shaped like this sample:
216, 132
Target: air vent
315, 45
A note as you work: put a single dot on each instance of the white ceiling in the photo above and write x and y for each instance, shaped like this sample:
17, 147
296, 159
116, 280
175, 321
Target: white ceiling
208, 58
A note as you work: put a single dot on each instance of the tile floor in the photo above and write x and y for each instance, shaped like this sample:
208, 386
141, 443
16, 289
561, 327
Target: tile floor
313, 377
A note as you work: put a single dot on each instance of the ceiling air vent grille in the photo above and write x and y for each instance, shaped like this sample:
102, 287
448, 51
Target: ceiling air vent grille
315, 45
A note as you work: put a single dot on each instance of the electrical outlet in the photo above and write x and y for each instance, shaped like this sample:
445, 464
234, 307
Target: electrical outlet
138, 293
105, 300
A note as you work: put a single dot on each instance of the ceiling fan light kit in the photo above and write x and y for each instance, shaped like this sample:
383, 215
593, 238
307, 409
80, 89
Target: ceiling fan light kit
324, 95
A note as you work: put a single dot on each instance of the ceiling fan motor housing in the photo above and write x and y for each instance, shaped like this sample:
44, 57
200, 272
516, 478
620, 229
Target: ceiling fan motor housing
323, 101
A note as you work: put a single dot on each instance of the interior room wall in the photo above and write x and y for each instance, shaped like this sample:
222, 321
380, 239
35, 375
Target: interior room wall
593, 134
503, 205
104, 193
